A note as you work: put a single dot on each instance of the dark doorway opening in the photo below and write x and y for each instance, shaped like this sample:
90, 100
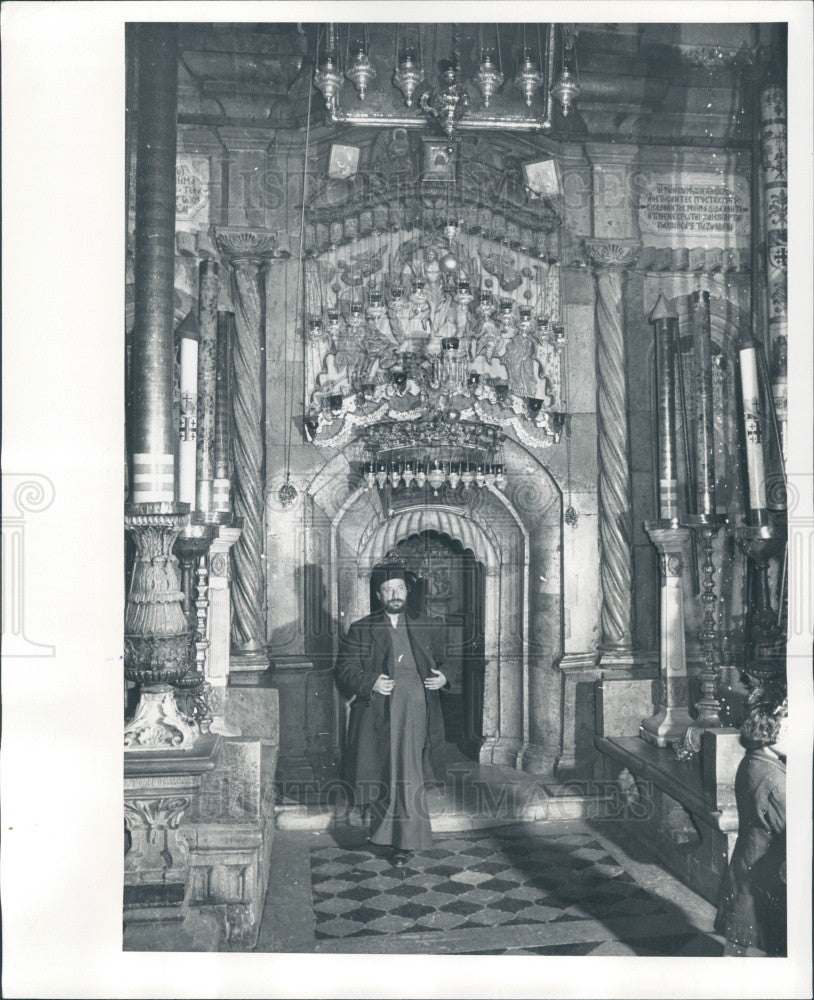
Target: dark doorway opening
450, 587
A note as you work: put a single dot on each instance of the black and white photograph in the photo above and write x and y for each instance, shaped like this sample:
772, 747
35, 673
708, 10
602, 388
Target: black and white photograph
449, 493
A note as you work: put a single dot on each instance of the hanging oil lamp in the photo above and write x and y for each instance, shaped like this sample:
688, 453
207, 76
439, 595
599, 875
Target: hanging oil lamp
356, 320
500, 477
437, 476
408, 75
420, 475
328, 79
566, 90
463, 293
381, 475
467, 476
486, 305
360, 71
369, 476
528, 79
488, 79
408, 475
375, 309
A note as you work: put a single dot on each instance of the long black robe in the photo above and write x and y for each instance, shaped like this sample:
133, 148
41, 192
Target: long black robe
365, 653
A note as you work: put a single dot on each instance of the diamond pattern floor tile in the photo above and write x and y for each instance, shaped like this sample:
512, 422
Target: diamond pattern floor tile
491, 879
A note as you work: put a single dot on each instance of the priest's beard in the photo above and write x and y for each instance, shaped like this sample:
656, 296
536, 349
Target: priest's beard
394, 606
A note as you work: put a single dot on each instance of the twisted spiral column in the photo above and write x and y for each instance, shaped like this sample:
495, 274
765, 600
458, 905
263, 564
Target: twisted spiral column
610, 258
248, 252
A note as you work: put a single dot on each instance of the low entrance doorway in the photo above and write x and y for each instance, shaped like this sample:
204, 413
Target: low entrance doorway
450, 587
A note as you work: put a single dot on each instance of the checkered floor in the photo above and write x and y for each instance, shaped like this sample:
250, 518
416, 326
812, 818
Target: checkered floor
495, 879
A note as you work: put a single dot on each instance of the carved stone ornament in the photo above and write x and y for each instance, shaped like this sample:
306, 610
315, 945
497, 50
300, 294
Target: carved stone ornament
615, 252
155, 813
158, 724
236, 243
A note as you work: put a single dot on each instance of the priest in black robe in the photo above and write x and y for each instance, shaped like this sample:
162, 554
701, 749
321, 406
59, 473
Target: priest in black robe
392, 662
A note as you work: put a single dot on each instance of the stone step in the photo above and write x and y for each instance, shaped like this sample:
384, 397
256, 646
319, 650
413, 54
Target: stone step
445, 818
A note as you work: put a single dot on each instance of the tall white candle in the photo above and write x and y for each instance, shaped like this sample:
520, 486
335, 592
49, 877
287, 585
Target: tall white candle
754, 425
189, 417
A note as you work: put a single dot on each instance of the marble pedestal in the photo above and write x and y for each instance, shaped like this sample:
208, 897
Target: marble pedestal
672, 719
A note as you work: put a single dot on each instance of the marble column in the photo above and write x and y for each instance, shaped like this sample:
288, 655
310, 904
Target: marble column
248, 252
773, 138
153, 432
672, 719
157, 637
609, 258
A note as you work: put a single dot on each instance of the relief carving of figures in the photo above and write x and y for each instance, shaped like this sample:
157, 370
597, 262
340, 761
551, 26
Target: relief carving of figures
526, 375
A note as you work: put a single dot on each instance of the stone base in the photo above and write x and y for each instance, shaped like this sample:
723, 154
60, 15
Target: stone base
309, 740
204, 822
502, 750
226, 835
535, 759
666, 726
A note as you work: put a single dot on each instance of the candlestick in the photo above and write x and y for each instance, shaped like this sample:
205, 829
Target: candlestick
753, 433
665, 321
221, 485
702, 337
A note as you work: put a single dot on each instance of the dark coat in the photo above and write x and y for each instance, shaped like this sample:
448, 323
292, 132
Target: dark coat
365, 653
752, 910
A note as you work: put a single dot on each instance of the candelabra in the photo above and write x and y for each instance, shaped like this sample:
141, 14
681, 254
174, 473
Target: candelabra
708, 706
450, 103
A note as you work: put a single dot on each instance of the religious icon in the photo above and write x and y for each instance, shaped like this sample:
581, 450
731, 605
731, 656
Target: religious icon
343, 162
439, 160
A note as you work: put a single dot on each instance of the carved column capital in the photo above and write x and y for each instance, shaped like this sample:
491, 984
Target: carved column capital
611, 253
250, 245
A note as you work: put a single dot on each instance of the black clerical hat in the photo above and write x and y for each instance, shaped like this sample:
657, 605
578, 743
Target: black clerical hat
392, 571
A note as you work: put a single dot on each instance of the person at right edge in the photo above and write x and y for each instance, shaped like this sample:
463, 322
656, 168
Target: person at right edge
752, 910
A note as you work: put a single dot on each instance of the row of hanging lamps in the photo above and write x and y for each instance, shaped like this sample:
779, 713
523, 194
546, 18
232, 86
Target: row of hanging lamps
449, 103
409, 72
434, 474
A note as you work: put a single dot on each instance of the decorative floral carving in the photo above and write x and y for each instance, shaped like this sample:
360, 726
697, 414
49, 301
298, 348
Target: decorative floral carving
155, 813
237, 243
156, 659
219, 564
611, 252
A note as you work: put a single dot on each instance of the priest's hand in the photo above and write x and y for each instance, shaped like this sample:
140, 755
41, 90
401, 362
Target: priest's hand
384, 684
435, 683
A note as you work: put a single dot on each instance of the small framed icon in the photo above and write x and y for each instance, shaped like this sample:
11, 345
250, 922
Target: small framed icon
343, 161
440, 158
542, 178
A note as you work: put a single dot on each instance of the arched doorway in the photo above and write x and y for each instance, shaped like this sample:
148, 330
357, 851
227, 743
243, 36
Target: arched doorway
450, 586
